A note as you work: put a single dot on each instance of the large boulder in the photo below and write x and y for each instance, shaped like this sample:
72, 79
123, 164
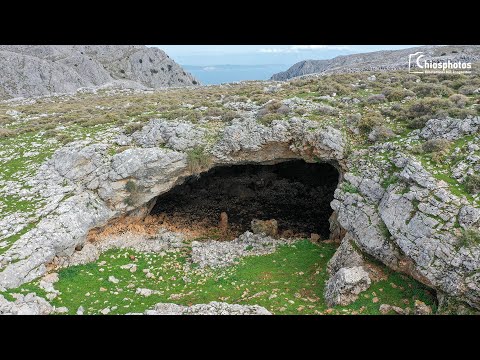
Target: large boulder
344, 287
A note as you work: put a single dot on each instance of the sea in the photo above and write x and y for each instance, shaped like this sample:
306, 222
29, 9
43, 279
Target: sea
220, 74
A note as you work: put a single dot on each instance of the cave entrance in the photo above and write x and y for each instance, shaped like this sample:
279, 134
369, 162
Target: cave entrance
295, 193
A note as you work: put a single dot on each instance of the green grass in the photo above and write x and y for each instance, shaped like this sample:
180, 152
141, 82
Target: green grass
347, 187
289, 281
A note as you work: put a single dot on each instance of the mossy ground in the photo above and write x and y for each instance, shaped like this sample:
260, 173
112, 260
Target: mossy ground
288, 281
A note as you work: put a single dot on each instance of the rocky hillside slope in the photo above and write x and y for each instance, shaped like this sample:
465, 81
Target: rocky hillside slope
379, 60
406, 145
32, 70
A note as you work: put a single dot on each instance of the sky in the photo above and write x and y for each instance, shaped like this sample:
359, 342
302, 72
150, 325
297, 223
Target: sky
204, 55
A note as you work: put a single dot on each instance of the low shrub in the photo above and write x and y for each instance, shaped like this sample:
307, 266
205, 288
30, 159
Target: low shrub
437, 148
436, 145
4, 133
370, 121
431, 90
459, 100
472, 184
229, 115
133, 127
397, 94
380, 133
469, 237
198, 160
376, 99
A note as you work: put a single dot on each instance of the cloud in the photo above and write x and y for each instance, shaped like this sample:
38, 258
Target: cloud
320, 47
298, 48
274, 50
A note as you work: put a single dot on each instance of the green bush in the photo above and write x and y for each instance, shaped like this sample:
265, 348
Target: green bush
435, 145
4, 133
431, 90
419, 112
469, 237
380, 133
459, 100
130, 186
468, 89
272, 108
268, 118
369, 121
472, 184
376, 99
133, 127
64, 138
397, 94
229, 115
198, 160
437, 148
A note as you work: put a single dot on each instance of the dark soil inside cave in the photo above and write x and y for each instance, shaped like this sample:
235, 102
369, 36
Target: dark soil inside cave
295, 193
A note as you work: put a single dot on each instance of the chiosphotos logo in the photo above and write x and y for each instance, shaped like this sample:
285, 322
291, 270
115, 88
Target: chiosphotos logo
419, 63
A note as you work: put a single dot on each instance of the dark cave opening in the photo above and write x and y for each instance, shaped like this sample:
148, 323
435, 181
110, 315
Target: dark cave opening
295, 193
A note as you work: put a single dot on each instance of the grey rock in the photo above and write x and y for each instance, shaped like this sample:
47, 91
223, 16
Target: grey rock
29, 304
468, 216
180, 136
212, 308
346, 256
343, 288
450, 129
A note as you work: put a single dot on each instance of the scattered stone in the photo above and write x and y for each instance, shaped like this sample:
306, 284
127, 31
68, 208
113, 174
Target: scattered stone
105, 311
212, 308
113, 279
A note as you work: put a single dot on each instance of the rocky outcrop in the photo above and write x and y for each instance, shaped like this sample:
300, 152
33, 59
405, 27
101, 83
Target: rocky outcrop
411, 228
385, 60
34, 70
90, 186
343, 287
412, 223
212, 308
29, 304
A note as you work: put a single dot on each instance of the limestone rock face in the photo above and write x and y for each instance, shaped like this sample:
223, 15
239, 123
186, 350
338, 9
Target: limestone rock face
29, 304
34, 70
411, 228
343, 288
450, 129
212, 308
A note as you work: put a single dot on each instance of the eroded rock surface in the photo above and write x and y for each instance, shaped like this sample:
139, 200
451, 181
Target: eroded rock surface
212, 308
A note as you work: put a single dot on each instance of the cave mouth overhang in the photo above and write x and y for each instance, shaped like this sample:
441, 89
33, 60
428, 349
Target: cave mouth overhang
294, 192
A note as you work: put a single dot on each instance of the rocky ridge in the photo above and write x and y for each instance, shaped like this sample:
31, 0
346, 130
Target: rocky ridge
35, 70
385, 60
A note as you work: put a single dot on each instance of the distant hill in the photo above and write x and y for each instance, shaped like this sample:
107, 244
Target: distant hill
31, 70
379, 60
